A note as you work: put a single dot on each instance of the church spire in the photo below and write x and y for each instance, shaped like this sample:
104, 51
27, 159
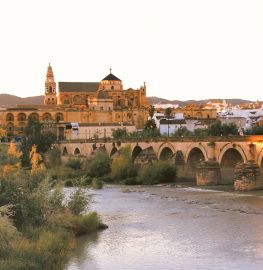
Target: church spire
50, 87
50, 75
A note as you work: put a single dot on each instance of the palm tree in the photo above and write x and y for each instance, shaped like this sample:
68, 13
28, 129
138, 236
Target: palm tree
168, 112
151, 111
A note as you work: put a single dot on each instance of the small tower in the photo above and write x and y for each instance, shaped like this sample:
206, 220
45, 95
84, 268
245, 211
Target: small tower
50, 88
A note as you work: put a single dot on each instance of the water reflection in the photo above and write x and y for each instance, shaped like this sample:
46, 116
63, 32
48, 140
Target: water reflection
168, 228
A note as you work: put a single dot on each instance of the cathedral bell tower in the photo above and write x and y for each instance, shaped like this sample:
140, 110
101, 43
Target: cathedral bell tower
50, 88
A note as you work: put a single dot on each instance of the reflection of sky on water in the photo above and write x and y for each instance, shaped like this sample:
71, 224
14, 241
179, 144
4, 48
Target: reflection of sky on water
173, 229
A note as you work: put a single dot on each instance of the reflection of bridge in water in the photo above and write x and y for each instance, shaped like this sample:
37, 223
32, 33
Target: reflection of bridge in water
184, 153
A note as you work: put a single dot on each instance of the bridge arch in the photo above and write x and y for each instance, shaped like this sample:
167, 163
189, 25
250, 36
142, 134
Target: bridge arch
166, 153
179, 158
113, 151
196, 145
230, 157
194, 157
136, 151
76, 152
168, 147
259, 159
232, 146
65, 151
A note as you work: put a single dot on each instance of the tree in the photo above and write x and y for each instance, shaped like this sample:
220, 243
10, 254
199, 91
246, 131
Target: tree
183, 132
122, 167
150, 124
2, 133
99, 165
168, 112
255, 131
36, 160
219, 129
33, 135
215, 128
12, 160
151, 111
119, 133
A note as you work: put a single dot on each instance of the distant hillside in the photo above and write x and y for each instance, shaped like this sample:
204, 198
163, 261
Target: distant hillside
157, 100
7, 100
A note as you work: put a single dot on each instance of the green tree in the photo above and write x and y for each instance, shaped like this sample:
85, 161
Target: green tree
33, 135
200, 132
150, 125
218, 129
158, 172
168, 112
119, 133
254, 131
122, 167
78, 201
100, 165
183, 132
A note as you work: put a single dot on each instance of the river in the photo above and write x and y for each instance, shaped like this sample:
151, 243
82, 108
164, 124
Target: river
168, 228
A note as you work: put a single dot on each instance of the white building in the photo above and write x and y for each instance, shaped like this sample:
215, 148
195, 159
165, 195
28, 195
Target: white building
170, 126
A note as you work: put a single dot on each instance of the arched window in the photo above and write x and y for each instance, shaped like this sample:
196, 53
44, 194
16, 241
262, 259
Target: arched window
10, 127
50, 89
10, 117
47, 117
21, 117
112, 88
59, 117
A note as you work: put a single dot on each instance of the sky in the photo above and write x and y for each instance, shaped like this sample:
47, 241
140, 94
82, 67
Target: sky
182, 49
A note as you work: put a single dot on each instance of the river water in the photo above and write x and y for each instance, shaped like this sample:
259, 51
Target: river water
168, 228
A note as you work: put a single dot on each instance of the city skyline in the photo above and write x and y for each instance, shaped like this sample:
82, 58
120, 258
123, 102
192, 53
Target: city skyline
182, 50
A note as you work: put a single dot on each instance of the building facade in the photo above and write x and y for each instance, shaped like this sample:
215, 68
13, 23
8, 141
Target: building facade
97, 103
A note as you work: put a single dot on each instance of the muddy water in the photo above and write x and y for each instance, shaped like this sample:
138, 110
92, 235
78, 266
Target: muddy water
169, 228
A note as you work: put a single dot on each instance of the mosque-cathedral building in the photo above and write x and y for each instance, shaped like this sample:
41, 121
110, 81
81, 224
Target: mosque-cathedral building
92, 105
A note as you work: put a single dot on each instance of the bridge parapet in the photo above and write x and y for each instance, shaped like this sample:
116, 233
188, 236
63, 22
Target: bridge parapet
250, 138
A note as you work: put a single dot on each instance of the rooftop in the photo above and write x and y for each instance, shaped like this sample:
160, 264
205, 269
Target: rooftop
78, 86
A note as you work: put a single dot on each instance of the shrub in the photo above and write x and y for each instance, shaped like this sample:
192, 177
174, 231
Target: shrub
78, 201
74, 163
99, 165
119, 133
97, 183
158, 172
83, 224
131, 181
53, 158
122, 166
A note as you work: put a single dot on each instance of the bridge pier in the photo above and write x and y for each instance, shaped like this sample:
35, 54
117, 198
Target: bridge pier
247, 175
209, 172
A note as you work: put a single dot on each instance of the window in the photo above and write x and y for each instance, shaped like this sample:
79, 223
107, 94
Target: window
21, 117
10, 117
66, 101
112, 88
101, 108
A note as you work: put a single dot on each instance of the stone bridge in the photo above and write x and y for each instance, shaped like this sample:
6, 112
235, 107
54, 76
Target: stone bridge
184, 153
